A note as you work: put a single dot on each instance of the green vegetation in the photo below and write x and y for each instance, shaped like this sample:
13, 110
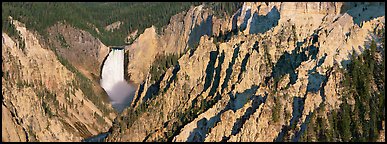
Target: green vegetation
10, 29
85, 85
62, 41
224, 9
361, 121
161, 64
126, 120
100, 119
88, 16
49, 99
294, 34
267, 55
276, 111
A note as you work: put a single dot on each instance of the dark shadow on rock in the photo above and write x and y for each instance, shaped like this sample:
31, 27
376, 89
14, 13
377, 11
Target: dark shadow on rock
365, 13
261, 24
320, 62
235, 20
314, 82
298, 107
235, 103
298, 134
282, 133
126, 63
243, 66
313, 52
256, 47
257, 101
218, 69
174, 73
205, 28
315, 79
153, 89
98, 138
210, 70
288, 63
345, 63
139, 92
198, 134
229, 69
242, 98
243, 25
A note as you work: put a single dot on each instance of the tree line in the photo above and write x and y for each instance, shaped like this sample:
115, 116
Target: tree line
88, 16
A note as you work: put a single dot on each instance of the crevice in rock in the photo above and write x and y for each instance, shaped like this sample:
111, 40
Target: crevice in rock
298, 107
243, 25
287, 64
174, 73
147, 136
218, 69
126, 63
298, 134
16, 117
229, 69
153, 89
209, 124
243, 67
26, 133
193, 112
210, 70
257, 101
140, 90
256, 46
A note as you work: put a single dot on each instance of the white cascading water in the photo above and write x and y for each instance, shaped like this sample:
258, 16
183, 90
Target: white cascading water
120, 92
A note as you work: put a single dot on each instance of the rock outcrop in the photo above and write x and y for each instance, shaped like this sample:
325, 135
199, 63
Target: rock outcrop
261, 74
42, 98
259, 84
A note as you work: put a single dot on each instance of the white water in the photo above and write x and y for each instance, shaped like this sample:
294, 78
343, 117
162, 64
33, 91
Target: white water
120, 92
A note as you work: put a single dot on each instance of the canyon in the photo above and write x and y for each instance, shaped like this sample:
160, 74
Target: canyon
270, 71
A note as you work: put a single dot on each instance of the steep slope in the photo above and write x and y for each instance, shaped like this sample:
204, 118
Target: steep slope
259, 81
181, 34
44, 99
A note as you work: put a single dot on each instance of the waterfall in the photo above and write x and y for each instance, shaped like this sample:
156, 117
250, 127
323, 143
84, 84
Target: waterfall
120, 92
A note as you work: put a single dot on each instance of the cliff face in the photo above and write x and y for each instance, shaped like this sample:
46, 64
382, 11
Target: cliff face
184, 30
42, 99
85, 52
282, 65
262, 74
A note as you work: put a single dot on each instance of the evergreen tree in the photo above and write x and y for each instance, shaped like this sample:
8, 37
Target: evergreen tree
345, 122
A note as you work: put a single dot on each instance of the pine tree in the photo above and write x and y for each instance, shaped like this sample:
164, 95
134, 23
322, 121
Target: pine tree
345, 122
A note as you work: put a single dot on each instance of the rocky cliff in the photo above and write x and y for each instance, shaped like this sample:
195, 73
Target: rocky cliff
44, 99
274, 66
271, 71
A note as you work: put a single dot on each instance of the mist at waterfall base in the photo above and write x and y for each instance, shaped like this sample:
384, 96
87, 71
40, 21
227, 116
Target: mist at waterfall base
120, 92
121, 95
